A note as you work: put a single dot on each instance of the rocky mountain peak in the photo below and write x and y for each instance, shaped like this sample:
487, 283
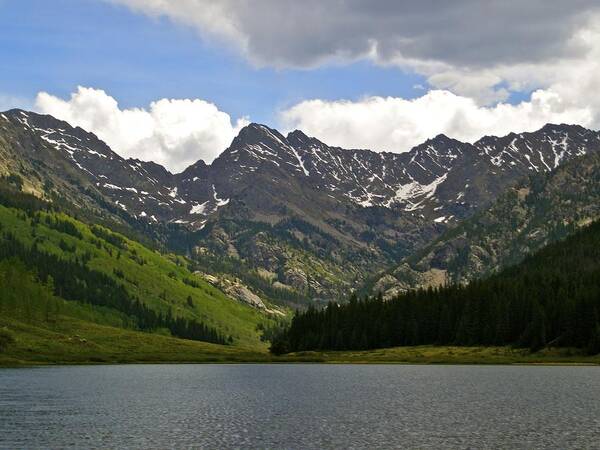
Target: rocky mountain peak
441, 179
256, 133
561, 128
441, 139
298, 139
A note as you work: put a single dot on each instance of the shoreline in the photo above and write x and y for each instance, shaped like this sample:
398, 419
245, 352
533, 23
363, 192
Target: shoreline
419, 355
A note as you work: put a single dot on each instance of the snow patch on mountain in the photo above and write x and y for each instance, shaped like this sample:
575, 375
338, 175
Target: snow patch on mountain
300, 161
220, 202
414, 193
199, 209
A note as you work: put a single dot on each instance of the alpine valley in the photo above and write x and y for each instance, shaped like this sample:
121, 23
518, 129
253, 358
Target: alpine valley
223, 252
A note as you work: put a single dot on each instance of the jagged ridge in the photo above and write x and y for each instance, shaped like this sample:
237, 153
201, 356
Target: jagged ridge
347, 213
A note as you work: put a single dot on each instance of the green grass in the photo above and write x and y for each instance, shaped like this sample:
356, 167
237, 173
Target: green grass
428, 354
75, 341
79, 342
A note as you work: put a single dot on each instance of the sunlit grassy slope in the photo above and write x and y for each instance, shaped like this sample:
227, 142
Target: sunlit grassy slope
156, 279
76, 341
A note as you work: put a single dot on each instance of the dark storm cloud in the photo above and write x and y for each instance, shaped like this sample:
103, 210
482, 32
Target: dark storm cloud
470, 33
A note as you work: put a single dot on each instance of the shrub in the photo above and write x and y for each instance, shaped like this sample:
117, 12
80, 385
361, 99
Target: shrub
6, 339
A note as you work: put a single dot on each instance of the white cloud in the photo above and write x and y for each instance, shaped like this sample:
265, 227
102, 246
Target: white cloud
174, 133
395, 124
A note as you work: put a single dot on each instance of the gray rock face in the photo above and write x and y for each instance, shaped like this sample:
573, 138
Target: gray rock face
296, 278
266, 254
234, 289
245, 295
385, 283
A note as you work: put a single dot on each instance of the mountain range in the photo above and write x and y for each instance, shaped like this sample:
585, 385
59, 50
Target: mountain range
300, 220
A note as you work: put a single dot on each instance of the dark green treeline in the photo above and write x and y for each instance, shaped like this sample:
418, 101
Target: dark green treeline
550, 299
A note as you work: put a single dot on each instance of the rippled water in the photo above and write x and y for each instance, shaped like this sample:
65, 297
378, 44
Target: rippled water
300, 406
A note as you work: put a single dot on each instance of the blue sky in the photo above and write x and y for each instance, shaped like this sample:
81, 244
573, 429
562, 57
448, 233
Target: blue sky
56, 45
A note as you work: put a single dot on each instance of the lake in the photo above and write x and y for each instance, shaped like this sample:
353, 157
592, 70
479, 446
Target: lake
300, 406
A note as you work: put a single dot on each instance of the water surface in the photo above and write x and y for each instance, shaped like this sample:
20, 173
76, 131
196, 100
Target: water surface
300, 406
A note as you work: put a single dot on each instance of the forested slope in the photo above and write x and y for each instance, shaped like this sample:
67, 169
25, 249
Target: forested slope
550, 299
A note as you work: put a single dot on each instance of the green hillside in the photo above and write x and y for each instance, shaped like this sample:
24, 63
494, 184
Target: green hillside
58, 273
37, 327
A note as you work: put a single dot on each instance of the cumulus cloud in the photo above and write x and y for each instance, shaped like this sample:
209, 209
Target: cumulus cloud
571, 94
396, 124
472, 47
174, 133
